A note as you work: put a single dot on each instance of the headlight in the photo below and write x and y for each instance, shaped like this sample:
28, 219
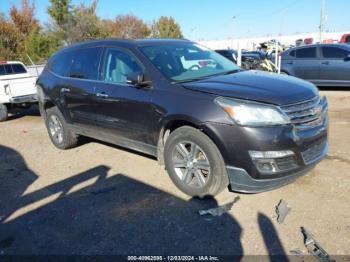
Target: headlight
248, 113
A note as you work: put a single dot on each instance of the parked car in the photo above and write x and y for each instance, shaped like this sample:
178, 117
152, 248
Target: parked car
299, 42
308, 41
250, 60
229, 54
345, 39
322, 64
211, 127
17, 87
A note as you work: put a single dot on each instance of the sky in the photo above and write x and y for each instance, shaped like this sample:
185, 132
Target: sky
220, 19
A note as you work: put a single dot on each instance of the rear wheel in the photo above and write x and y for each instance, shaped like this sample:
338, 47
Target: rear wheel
194, 163
60, 134
3, 112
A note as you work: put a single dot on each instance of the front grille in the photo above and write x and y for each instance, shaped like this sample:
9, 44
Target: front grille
306, 113
315, 151
286, 163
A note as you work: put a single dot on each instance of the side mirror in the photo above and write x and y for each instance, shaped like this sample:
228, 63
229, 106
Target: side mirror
138, 79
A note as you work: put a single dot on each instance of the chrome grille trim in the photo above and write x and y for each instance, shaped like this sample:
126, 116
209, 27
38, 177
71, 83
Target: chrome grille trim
307, 113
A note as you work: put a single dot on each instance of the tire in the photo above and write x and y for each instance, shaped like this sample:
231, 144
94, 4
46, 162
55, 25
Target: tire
3, 112
60, 134
192, 175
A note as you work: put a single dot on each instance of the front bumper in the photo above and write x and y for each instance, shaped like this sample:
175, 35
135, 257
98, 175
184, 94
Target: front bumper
241, 181
235, 142
24, 99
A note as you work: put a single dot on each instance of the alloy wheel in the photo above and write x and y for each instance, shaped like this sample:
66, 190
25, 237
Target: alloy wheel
191, 164
56, 129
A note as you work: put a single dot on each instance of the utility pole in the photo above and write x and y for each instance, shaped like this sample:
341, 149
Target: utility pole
322, 18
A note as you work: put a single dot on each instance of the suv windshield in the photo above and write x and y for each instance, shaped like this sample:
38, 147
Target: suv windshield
188, 61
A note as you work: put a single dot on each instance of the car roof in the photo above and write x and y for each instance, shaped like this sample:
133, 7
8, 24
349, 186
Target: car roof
322, 44
10, 62
124, 43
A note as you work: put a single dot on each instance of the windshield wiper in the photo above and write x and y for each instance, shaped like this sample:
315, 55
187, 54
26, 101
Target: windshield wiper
208, 76
231, 72
191, 79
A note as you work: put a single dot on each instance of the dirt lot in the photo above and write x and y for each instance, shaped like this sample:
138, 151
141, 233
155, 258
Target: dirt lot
100, 199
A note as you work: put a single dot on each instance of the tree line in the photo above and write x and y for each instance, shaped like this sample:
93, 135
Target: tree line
23, 37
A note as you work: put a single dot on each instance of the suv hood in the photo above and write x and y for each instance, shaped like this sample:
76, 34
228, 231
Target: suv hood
258, 86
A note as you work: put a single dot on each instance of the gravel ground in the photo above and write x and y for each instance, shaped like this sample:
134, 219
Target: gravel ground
100, 199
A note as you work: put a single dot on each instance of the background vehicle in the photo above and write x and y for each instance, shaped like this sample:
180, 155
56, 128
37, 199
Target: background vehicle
229, 54
17, 87
322, 64
345, 39
257, 60
211, 126
308, 41
299, 42
251, 60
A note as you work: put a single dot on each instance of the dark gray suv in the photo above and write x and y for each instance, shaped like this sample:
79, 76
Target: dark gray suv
210, 123
322, 64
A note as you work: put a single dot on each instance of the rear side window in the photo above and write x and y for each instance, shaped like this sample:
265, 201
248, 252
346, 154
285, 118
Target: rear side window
18, 69
334, 52
60, 63
347, 39
8, 69
85, 63
2, 70
309, 52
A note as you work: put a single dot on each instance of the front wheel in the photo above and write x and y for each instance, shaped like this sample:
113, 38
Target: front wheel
194, 163
3, 112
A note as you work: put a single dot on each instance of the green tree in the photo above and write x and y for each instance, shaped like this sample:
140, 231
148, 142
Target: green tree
166, 27
84, 23
59, 10
41, 46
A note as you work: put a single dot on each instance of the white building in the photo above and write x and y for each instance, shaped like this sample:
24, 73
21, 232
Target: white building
252, 43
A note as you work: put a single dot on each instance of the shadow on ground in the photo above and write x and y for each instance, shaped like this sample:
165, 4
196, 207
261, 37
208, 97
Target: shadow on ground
16, 113
334, 88
111, 215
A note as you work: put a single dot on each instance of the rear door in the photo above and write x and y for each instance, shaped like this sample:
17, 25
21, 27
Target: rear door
306, 65
335, 65
77, 88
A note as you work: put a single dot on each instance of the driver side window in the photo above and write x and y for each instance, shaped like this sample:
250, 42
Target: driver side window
118, 64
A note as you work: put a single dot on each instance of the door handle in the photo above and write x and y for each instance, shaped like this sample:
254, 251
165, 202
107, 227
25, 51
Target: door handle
65, 90
103, 95
325, 63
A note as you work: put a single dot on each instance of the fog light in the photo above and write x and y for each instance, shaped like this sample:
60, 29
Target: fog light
267, 161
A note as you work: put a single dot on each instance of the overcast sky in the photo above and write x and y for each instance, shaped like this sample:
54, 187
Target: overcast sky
214, 19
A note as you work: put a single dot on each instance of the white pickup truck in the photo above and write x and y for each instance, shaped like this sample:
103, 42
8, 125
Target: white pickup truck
17, 87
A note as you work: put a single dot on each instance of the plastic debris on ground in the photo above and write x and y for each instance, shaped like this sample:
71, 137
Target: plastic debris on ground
282, 210
218, 211
314, 247
296, 252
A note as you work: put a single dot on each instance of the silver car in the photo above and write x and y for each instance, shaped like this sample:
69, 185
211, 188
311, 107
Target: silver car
322, 64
